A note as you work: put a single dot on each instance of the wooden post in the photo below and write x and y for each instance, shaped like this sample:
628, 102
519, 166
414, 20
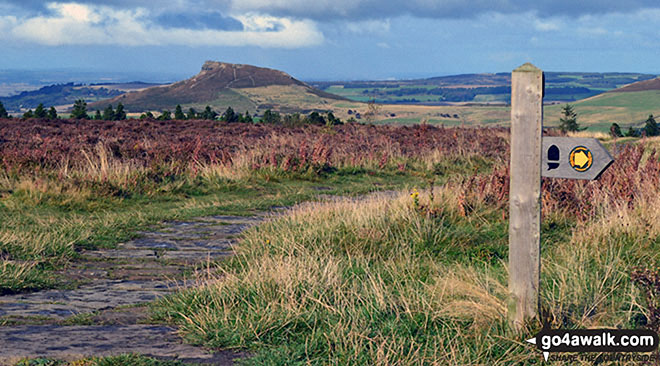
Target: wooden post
525, 193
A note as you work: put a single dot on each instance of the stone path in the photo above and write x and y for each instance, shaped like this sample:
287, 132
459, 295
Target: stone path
105, 315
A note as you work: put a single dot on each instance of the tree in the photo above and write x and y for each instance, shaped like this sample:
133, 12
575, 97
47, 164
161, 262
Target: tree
147, 115
568, 121
3, 111
28, 114
109, 113
651, 127
52, 113
293, 119
120, 113
97, 115
230, 115
615, 130
40, 111
178, 112
79, 110
372, 111
192, 113
208, 113
271, 117
315, 118
165, 116
631, 132
247, 118
332, 120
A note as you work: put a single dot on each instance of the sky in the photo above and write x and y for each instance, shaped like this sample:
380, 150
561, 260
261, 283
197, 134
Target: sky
331, 39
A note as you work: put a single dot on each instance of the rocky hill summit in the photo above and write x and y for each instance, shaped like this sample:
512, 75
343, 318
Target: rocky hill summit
215, 81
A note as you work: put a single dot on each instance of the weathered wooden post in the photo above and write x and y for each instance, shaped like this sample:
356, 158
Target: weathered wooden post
525, 193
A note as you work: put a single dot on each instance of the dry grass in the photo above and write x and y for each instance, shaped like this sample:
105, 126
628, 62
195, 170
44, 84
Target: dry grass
18, 276
588, 279
350, 275
373, 282
591, 134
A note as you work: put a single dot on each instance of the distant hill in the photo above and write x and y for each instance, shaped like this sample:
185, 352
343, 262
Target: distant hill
646, 85
478, 88
220, 85
56, 95
125, 87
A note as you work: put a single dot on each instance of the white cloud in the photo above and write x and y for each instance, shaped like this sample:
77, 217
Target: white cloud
76, 12
341, 8
323, 10
78, 24
593, 31
547, 25
369, 26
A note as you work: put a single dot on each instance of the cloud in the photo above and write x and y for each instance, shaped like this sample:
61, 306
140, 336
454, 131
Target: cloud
333, 10
208, 20
80, 24
322, 10
547, 25
369, 26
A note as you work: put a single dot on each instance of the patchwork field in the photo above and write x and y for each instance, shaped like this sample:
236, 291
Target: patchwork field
478, 88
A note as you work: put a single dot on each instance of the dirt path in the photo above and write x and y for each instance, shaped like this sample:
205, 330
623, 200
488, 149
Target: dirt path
105, 315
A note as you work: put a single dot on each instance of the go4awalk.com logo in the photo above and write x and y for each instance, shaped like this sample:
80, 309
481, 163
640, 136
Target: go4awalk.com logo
585, 341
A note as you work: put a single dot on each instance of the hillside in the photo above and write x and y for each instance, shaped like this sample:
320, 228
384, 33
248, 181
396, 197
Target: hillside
629, 105
58, 95
220, 85
646, 85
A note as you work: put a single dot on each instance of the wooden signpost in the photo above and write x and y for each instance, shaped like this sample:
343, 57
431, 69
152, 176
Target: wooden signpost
533, 156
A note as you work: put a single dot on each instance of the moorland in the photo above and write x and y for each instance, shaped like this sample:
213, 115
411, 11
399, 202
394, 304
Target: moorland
415, 276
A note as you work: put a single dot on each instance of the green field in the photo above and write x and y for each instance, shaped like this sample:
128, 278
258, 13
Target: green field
626, 109
491, 88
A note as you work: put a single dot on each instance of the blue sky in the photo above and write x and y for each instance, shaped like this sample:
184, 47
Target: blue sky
332, 39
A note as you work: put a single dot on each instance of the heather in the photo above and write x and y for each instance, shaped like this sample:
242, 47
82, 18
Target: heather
421, 277
71, 185
415, 275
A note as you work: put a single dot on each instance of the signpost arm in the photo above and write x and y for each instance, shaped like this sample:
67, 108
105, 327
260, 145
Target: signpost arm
525, 193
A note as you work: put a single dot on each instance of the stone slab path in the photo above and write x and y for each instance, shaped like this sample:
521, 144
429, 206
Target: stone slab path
105, 314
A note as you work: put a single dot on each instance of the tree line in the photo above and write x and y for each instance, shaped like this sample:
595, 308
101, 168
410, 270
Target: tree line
79, 111
231, 116
650, 129
568, 123
39, 112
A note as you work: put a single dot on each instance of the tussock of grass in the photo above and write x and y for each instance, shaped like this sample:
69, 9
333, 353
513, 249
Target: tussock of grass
20, 276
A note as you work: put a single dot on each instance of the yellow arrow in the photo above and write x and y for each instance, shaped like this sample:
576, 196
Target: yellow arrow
581, 159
